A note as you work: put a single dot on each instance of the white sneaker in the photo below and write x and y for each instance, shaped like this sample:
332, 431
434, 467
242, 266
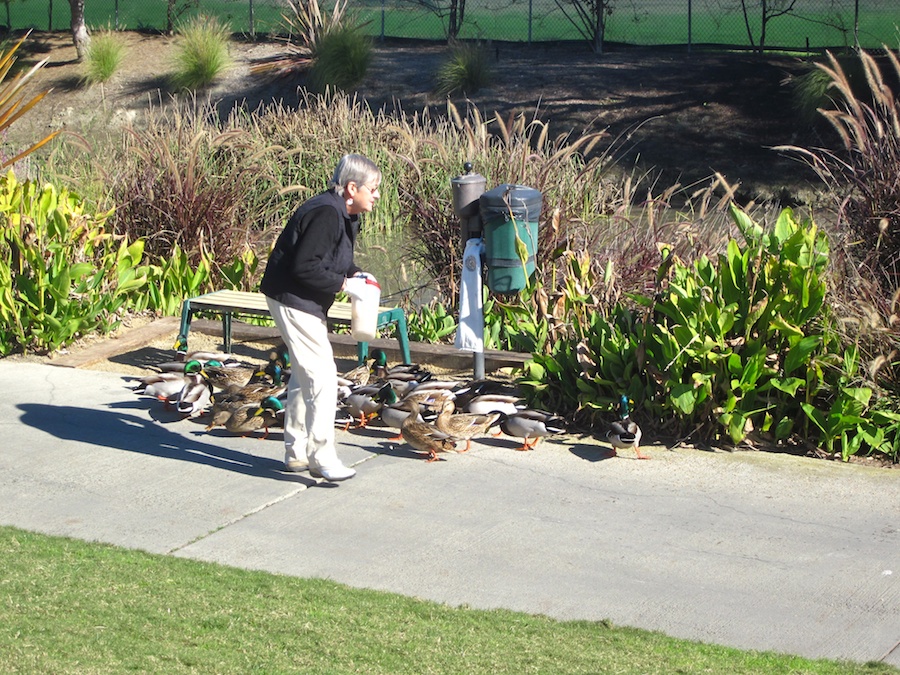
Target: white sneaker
334, 473
296, 465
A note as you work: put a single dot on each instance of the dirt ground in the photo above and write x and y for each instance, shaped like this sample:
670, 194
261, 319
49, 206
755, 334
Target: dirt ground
682, 115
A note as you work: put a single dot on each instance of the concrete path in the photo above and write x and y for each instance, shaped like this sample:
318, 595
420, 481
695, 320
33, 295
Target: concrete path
751, 550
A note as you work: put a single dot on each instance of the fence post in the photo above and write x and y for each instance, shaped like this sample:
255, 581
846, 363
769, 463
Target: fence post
530, 18
690, 25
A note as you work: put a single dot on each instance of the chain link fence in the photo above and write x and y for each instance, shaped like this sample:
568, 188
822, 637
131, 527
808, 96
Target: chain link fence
773, 25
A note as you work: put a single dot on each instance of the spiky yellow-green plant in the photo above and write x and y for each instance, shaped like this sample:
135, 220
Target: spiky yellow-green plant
103, 58
12, 99
202, 53
306, 26
465, 70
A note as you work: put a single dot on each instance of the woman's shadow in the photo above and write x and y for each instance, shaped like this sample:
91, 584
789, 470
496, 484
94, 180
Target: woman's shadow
117, 428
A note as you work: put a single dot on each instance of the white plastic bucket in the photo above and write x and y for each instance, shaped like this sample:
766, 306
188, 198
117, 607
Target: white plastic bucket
364, 312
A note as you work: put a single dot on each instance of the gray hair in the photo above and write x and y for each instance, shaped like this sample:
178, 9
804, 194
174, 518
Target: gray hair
354, 169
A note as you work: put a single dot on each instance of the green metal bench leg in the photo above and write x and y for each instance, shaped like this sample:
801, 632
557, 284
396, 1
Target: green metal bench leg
226, 331
362, 351
395, 316
181, 344
403, 336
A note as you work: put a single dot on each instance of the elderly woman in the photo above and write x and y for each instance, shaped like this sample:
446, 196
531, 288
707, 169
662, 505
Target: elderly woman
312, 261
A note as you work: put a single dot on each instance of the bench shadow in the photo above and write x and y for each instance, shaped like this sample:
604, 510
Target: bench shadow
119, 429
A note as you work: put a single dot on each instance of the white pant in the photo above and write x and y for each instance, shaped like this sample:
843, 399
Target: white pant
311, 389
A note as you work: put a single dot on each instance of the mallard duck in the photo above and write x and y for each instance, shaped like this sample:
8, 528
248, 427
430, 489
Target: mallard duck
477, 388
281, 356
425, 437
363, 403
404, 376
163, 388
484, 404
394, 410
625, 433
195, 395
227, 401
279, 360
223, 375
530, 423
268, 412
177, 365
463, 426
167, 386
380, 366
342, 419
358, 376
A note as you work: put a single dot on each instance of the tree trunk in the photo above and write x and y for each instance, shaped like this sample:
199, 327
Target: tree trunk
79, 30
170, 17
452, 27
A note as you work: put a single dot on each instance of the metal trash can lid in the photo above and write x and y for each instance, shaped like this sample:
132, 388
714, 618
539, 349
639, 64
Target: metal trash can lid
517, 198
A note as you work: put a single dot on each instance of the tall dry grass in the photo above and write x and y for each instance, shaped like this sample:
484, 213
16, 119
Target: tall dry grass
214, 186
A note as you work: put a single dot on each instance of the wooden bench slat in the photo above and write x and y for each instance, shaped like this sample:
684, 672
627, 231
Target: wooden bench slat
228, 302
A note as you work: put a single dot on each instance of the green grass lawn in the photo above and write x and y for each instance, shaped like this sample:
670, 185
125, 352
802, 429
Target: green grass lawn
648, 23
68, 606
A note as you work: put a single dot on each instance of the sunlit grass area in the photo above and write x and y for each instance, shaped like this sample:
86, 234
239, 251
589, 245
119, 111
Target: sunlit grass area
68, 606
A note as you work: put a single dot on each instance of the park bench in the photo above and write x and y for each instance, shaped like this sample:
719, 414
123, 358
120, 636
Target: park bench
230, 303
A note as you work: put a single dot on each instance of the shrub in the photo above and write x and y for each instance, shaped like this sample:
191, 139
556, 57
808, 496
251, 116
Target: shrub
61, 274
104, 55
315, 42
192, 183
341, 58
813, 90
465, 70
741, 347
202, 53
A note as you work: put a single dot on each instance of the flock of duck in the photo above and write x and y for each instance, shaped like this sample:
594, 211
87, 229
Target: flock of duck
430, 414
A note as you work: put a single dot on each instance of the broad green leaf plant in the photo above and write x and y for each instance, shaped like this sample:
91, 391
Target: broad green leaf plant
733, 349
61, 273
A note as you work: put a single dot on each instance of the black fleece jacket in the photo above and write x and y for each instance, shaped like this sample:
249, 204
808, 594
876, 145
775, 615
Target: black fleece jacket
313, 255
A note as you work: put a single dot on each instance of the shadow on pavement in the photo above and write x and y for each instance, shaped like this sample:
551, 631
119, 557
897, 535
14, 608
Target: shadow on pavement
132, 433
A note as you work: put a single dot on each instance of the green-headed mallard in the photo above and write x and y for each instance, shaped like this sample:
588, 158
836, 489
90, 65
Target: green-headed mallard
425, 437
268, 412
463, 426
531, 424
177, 365
195, 395
625, 433
166, 386
226, 401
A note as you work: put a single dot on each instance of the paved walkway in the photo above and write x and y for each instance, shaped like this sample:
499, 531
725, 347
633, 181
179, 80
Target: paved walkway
751, 550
